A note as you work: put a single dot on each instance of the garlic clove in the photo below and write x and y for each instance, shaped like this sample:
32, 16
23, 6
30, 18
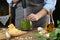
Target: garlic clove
39, 29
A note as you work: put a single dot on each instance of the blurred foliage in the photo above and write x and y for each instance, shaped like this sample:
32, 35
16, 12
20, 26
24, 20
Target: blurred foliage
55, 35
58, 22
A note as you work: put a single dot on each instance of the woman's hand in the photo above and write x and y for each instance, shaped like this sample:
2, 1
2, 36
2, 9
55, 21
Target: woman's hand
33, 17
37, 16
15, 1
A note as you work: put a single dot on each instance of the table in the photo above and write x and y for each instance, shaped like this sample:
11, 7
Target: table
29, 36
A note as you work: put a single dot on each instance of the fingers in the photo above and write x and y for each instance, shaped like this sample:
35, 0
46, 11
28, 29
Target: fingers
32, 17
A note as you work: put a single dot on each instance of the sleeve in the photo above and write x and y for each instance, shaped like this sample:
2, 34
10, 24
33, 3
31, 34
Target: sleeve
10, 3
49, 5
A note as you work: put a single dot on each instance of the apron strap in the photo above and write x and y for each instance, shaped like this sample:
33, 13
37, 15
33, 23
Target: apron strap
10, 14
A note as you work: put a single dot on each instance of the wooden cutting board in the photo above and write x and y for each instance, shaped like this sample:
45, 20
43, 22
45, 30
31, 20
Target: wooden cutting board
2, 34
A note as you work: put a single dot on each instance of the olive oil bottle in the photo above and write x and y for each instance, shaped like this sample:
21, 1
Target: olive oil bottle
50, 25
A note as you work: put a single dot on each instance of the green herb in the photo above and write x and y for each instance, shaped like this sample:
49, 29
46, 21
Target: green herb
44, 39
54, 34
38, 35
25, 25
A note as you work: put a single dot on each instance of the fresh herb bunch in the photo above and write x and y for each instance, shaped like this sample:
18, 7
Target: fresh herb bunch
25, 25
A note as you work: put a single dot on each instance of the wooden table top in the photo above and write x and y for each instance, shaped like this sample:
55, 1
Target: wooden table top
29, 36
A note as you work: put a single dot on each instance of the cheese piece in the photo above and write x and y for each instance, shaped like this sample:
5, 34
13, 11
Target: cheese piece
14, 31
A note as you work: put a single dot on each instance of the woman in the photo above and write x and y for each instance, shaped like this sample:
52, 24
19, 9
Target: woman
36, 11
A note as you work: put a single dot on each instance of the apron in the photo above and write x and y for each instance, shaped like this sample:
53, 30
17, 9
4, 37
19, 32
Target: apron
33, 6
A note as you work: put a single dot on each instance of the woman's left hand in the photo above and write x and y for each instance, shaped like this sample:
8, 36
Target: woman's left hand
33, 17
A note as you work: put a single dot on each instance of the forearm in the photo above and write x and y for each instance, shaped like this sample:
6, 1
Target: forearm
15, 1
49, 6
42, 13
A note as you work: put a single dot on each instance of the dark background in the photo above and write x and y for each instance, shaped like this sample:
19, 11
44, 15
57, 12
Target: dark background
4, 4
56, 13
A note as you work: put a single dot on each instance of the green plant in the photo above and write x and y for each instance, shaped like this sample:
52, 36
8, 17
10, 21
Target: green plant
38, 35
44, 38
58, 23
55, 33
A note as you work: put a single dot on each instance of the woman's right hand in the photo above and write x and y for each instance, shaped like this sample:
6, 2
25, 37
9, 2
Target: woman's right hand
15, 1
